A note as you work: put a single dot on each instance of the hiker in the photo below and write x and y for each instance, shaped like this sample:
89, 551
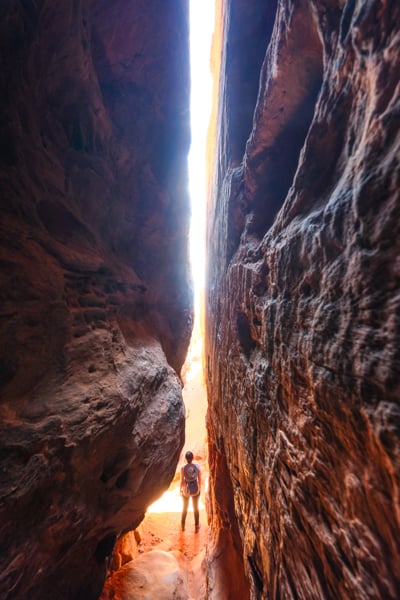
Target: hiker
190, 487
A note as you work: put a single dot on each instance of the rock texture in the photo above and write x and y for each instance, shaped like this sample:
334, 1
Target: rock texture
156, 574
303, 300
96, 301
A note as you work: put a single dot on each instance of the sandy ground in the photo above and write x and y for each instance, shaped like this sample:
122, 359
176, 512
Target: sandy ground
161, 531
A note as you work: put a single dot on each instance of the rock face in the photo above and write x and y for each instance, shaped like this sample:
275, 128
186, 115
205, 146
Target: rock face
96, 300
156, 574
303, 303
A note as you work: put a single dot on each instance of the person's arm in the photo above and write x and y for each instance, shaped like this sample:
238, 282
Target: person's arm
181, 483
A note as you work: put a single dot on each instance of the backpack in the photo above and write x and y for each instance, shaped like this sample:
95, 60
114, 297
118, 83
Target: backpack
190, 473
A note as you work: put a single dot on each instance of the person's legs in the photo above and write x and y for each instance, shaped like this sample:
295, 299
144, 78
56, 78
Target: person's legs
195, 500
184, 511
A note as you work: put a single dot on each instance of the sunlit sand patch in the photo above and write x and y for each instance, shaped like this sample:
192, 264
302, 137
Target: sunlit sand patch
169, 502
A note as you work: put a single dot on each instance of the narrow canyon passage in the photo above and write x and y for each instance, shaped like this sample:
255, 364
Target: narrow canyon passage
179, 557
301, 316
164, 562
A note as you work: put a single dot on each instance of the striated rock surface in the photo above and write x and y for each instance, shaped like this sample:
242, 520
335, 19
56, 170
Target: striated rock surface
96, 301
303, 300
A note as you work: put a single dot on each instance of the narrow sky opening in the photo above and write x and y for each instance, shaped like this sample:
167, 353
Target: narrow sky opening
202, 15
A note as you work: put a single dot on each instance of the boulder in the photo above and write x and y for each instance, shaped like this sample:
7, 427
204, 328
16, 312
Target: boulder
155, 574
96, 295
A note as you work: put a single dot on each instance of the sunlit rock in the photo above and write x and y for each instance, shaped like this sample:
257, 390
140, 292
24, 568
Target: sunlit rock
153, 575
303, 301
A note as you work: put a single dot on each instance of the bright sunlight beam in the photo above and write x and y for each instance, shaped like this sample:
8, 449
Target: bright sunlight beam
202, 14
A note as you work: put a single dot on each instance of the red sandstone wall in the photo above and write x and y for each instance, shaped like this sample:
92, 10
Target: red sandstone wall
96, 301
303, 299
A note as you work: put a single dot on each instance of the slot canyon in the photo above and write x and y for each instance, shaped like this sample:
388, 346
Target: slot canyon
301, 306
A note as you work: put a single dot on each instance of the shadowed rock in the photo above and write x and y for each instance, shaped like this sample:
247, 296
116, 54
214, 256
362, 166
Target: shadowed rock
96, 301
303, 302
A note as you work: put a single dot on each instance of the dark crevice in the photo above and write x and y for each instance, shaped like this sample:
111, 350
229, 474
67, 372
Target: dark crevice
284, 116
122, 480
277, 165
256, 574
247, 343
104, 548
281, 119
249, 31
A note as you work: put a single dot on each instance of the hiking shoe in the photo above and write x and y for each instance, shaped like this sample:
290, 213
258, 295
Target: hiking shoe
182, 527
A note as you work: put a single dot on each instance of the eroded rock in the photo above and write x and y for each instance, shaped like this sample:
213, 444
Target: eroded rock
96, 301
155, 574
303, 303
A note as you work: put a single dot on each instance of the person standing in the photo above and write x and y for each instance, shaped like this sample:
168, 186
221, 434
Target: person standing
190, 487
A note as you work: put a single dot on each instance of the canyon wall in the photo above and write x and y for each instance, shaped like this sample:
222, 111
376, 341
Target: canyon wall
303, 302
96, 297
